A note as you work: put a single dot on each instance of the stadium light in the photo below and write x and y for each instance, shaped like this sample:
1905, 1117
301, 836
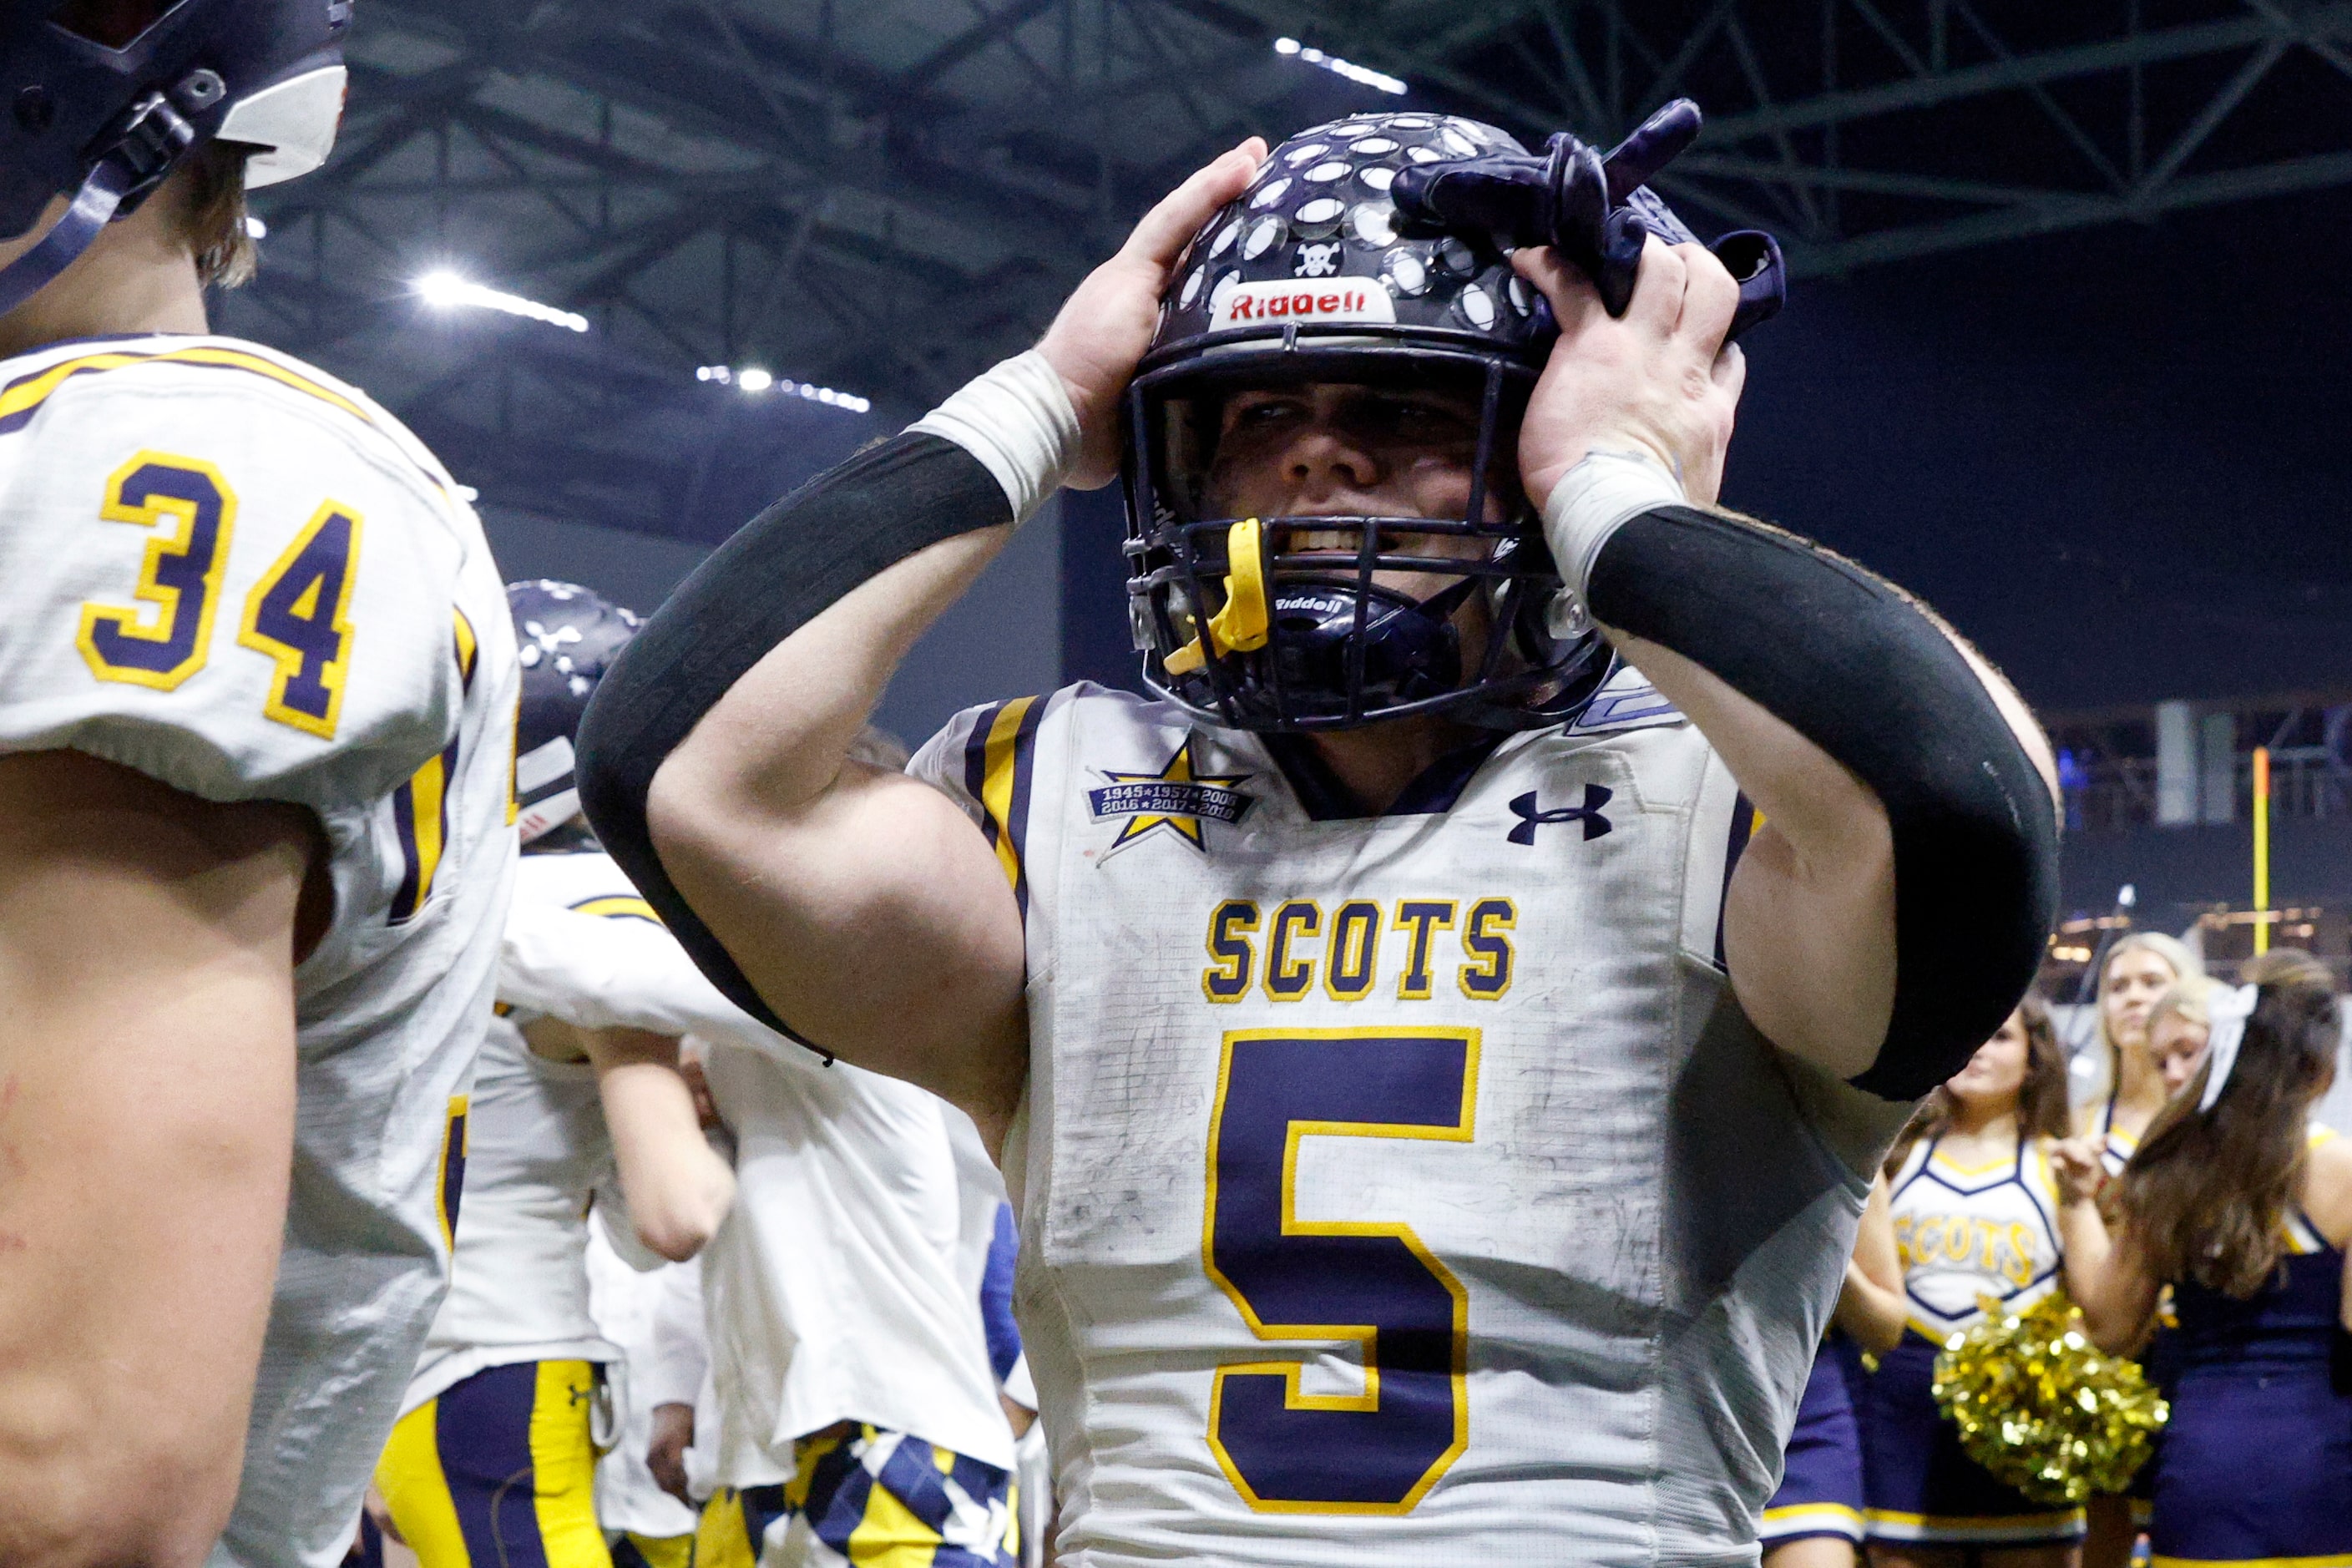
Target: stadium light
447, 289
754, 380
1364, 75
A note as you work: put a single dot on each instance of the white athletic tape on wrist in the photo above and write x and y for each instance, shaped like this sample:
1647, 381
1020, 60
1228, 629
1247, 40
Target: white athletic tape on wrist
1017, 420
1594, 499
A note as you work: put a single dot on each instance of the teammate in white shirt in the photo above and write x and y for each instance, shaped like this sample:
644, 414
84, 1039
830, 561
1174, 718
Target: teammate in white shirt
578, 1103
1420, 1155
649, 1518
257, 706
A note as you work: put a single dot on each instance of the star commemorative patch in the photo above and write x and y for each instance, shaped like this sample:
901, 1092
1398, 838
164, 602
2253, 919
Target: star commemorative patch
1178, 797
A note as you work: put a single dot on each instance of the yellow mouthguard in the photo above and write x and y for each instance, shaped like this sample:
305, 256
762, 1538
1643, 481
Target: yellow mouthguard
1242, 623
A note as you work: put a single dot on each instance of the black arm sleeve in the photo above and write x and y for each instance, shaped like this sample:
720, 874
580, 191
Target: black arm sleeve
777, 573
1854, 666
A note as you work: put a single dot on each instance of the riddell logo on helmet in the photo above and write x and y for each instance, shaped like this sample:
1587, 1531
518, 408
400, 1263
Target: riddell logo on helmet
1282, 300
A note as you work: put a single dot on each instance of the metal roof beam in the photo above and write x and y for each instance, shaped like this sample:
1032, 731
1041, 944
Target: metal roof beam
925, 73
2020, 71
2055, 213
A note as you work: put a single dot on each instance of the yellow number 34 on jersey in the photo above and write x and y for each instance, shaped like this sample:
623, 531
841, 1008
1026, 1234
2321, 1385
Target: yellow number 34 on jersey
295, 616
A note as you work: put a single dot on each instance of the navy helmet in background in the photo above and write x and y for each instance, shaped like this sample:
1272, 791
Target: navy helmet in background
567, 637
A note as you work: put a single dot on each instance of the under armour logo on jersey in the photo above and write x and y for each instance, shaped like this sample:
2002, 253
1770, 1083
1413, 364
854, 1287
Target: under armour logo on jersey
1530, 817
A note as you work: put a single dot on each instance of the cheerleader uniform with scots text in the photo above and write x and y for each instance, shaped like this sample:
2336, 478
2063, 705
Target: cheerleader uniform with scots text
1821, 1486
2256, 1465
1962, 1233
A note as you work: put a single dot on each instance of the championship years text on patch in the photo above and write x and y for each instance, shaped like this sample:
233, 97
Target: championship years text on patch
1177, 797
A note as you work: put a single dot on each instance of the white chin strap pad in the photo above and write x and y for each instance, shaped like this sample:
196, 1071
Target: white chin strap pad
292, 123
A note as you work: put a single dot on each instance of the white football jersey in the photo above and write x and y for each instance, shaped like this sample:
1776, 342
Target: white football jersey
1402, 1189
1965, 1233
241, 577
582, 946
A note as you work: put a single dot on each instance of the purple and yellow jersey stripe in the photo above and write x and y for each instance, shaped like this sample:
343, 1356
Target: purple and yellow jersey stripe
22, 398
999, 759
469, 648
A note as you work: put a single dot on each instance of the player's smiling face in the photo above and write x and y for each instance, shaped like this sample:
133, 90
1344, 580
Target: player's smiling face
1325, 449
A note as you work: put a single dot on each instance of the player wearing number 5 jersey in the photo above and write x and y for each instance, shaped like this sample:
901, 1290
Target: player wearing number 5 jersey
258, 697
1438, 1110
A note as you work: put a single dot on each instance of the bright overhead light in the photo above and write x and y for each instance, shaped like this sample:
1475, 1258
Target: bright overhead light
1364, 75
445, 289
255, 229
752, 379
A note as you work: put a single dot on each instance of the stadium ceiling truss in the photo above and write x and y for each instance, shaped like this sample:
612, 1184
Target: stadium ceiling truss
884, 195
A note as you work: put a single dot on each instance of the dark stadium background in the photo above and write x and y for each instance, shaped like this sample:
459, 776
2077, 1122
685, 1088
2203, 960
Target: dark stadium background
2065, 355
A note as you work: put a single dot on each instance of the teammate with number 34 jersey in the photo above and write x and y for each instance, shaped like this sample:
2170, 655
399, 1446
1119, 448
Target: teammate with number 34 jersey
240, 577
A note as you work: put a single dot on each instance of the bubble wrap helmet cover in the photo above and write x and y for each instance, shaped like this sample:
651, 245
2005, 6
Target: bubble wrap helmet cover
566, 637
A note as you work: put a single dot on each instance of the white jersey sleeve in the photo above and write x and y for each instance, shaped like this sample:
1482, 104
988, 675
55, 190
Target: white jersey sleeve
599, 974
242, 578
582, 946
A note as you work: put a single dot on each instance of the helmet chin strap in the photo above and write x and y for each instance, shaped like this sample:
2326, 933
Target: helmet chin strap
153, 140
93, 208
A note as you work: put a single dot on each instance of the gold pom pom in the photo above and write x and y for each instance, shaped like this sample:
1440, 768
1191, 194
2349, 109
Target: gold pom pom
2038, 1405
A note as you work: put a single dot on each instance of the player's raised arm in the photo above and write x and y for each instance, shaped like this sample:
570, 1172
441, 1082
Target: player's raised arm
857, 907
1896, 901
147, 1109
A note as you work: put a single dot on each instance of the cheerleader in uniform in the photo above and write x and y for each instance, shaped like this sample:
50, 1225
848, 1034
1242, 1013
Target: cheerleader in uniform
2244, 1209
1815, 1519
1975, 1213
2175, 1035
2140, 973
2142, 969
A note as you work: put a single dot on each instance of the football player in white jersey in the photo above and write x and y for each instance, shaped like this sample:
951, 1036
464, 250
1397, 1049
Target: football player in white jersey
578, 1102
257, 707
1430, 1141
